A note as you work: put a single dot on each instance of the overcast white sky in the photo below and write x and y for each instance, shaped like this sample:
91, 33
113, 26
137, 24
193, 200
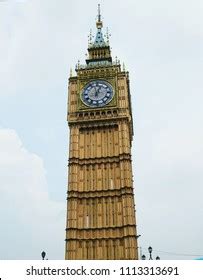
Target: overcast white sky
161, 43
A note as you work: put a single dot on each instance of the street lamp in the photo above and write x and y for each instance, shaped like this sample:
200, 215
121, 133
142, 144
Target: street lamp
43, 254
143, 257
150, 255
150, 252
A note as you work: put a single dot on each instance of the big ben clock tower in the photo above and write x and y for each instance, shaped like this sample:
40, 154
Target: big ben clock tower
101, 222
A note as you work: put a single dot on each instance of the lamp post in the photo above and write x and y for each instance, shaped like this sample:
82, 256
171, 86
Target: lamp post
43, 254
150, 254
143, 257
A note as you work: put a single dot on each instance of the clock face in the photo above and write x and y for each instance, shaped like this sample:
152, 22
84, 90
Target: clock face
97, 93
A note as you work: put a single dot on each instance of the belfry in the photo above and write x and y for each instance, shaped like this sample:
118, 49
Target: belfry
101, 222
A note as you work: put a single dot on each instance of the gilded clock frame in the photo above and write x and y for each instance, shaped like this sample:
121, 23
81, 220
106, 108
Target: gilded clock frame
83, 83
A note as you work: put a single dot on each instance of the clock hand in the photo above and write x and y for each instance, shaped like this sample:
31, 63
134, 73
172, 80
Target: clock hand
96, 92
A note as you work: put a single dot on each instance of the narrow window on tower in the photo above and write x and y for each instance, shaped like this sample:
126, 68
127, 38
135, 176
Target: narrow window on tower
111, 184
113, 216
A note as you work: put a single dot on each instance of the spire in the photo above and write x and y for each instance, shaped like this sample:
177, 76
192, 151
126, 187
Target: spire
99, 51
71, 72
99, 40
99, 13
107, 36
90, 37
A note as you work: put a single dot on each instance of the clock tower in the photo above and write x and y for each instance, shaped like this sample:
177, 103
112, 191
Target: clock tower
101, 222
